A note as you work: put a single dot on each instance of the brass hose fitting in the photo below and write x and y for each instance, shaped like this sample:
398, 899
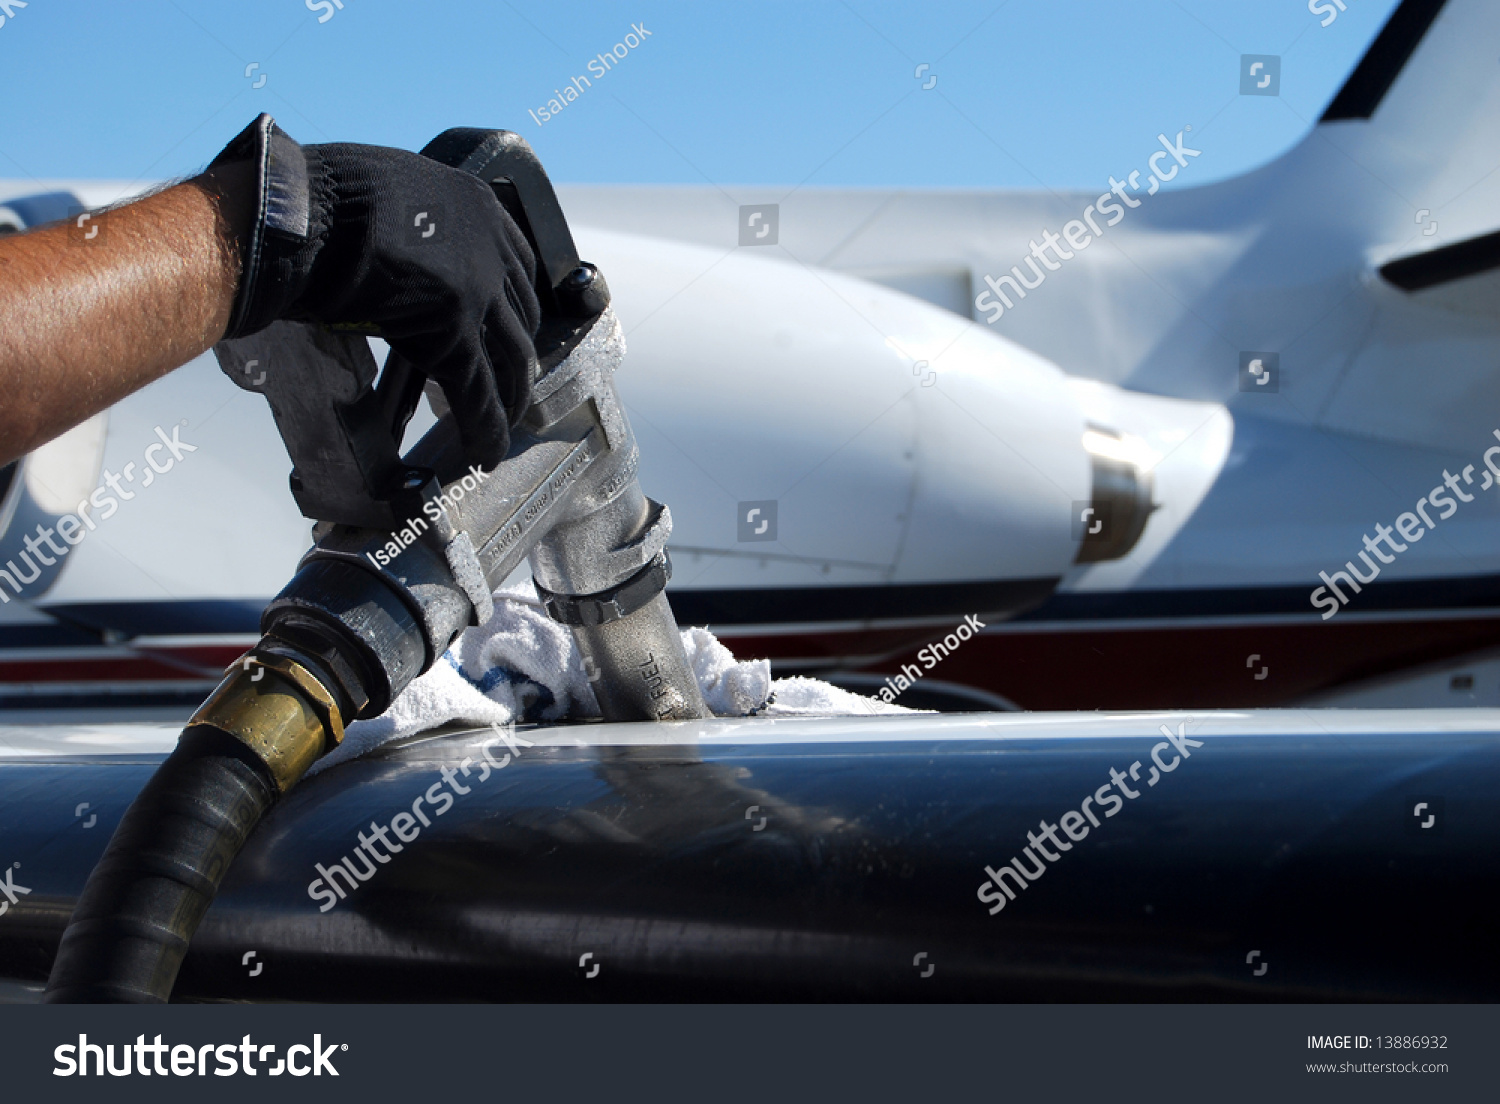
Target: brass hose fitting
251, 741
275, 707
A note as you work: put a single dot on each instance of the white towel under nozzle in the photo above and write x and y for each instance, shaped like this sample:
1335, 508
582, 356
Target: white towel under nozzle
522, 666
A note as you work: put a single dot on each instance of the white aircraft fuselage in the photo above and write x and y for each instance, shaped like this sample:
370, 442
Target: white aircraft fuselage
1175, 445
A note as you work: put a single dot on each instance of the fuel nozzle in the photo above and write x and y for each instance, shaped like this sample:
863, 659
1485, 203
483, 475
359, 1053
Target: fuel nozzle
366, 612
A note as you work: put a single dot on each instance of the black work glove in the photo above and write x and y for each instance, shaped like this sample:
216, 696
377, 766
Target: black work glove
402, 247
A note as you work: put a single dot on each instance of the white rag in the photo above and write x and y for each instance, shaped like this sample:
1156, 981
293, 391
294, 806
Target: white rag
522, 666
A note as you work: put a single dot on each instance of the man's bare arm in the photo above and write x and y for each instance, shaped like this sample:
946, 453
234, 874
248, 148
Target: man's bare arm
273, 230
83, 323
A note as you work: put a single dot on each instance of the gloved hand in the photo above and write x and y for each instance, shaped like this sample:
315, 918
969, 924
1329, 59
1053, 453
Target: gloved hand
405, 248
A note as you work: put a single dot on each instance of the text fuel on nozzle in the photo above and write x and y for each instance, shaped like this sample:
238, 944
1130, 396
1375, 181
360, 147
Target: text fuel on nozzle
409, 550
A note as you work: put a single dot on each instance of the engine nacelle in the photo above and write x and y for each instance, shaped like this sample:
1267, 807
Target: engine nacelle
820, 431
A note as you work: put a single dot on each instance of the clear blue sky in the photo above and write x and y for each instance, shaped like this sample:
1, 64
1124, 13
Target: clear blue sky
1029, 93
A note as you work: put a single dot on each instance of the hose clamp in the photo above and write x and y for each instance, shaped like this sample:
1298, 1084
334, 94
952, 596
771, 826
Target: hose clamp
609, 605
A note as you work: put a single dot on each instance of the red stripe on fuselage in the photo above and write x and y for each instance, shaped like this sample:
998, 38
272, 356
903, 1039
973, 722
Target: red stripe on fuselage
1176, 665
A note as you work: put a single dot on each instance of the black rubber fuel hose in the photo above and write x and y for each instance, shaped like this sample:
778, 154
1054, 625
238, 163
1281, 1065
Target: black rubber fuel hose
159, 874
